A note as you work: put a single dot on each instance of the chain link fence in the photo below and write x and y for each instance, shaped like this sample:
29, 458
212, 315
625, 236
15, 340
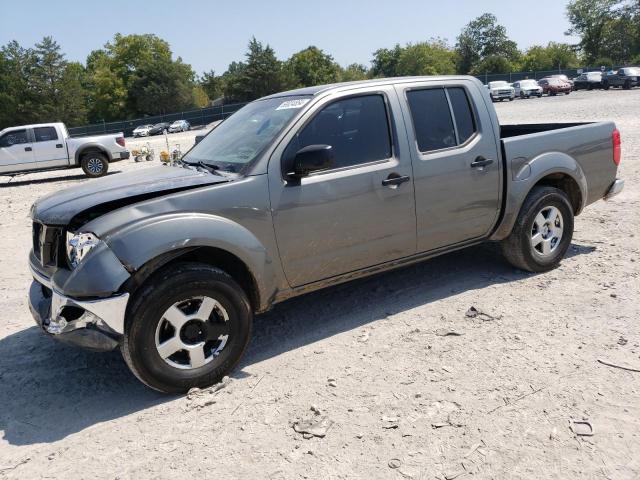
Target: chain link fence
200, 117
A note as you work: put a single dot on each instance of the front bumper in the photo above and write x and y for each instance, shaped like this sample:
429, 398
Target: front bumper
93, 324
615, 188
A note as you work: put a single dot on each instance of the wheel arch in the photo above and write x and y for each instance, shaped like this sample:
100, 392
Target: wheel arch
555, 169
90, 148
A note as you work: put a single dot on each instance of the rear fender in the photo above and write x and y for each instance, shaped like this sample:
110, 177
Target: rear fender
526, 175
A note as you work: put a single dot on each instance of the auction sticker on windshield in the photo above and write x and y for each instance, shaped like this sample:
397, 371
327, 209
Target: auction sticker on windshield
292, 104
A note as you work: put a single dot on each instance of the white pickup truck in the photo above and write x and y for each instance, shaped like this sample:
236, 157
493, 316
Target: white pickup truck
48, 146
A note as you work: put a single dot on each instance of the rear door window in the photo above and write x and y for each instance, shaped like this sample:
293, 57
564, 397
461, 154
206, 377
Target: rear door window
45, 134
432, 120
462, 113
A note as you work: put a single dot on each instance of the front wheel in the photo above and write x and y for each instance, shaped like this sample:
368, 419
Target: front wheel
542, 232
188, 326
94, 165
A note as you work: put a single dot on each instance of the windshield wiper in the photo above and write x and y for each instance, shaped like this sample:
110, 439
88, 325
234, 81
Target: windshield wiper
209, 167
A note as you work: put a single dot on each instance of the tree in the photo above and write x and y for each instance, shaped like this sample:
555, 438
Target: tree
608, 29
552, 57
212, 84
312, 66
355, 71
385, 62
427, 58
261, 74
483, 37
16, 96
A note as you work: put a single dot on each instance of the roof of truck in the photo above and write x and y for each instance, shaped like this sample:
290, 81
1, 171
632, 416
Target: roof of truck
317, 89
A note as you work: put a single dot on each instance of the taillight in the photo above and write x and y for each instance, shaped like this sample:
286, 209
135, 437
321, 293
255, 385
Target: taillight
120, 141
616, 146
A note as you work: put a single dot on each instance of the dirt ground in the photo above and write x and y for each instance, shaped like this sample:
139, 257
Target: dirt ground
401, 399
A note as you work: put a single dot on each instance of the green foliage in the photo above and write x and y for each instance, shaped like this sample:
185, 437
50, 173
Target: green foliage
427, 58
483, 37
212, 84
553, 56
312, 66
385, 62
353, 72
261, 74
607, 28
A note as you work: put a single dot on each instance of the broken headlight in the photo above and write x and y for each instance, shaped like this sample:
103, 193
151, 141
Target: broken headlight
79, 245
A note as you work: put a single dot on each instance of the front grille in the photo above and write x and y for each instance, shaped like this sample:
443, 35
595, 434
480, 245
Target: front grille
47, 244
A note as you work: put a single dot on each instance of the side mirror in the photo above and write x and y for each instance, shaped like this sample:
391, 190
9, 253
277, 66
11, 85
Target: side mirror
312, 158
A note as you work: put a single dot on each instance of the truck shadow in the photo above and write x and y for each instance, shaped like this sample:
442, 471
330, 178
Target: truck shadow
50, 390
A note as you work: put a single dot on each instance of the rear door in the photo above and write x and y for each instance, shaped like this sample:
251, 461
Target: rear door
455, 162
361, 212
48, 147
16, 150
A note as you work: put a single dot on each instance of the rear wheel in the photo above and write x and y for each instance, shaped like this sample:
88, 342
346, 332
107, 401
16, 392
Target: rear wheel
542, 232
188, 326
94, 164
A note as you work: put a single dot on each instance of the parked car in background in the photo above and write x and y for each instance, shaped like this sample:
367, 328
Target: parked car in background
142, 130
527, 88
501, 90
588, 81
179, 126
286, 197
159, 128
553, 86
562, 77
627, 77
48, 146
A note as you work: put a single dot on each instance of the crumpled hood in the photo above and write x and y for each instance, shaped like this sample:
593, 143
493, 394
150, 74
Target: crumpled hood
60, 208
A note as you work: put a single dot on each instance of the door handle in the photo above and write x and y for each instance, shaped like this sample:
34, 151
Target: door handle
58, 145
481, 162
394, 180
28, 149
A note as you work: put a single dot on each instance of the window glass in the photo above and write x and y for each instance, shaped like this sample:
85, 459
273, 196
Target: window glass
431, 119
356, 128
13, 138
45, 134
462, 113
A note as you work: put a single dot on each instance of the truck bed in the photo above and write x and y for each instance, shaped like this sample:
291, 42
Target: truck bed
589, 144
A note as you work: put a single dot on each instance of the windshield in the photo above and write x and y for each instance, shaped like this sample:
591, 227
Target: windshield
498, 84
239, 140
528, 83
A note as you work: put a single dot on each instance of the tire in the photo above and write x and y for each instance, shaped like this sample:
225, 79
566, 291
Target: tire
518, 248
605, 85
172, 289
94, 164
627, 85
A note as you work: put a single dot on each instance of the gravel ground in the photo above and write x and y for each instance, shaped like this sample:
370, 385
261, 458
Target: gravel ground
400, 400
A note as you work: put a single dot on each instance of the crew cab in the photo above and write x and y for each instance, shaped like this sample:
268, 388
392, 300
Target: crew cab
47, 146
295, 192
626, 78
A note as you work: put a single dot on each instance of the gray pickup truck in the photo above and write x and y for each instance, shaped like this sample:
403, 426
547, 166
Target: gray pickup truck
295, 192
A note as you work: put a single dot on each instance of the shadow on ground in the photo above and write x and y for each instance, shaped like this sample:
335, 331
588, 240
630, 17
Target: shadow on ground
50, 390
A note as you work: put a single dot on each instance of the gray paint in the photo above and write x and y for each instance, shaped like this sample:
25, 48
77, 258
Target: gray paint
338, 225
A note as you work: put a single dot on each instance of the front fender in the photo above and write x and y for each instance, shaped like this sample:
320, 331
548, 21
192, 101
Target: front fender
525, 174
147, 239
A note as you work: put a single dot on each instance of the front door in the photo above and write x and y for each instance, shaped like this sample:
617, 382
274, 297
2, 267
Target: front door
360, 212
455, 162
16, 151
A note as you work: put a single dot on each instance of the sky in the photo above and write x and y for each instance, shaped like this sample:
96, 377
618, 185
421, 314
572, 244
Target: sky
212, 34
